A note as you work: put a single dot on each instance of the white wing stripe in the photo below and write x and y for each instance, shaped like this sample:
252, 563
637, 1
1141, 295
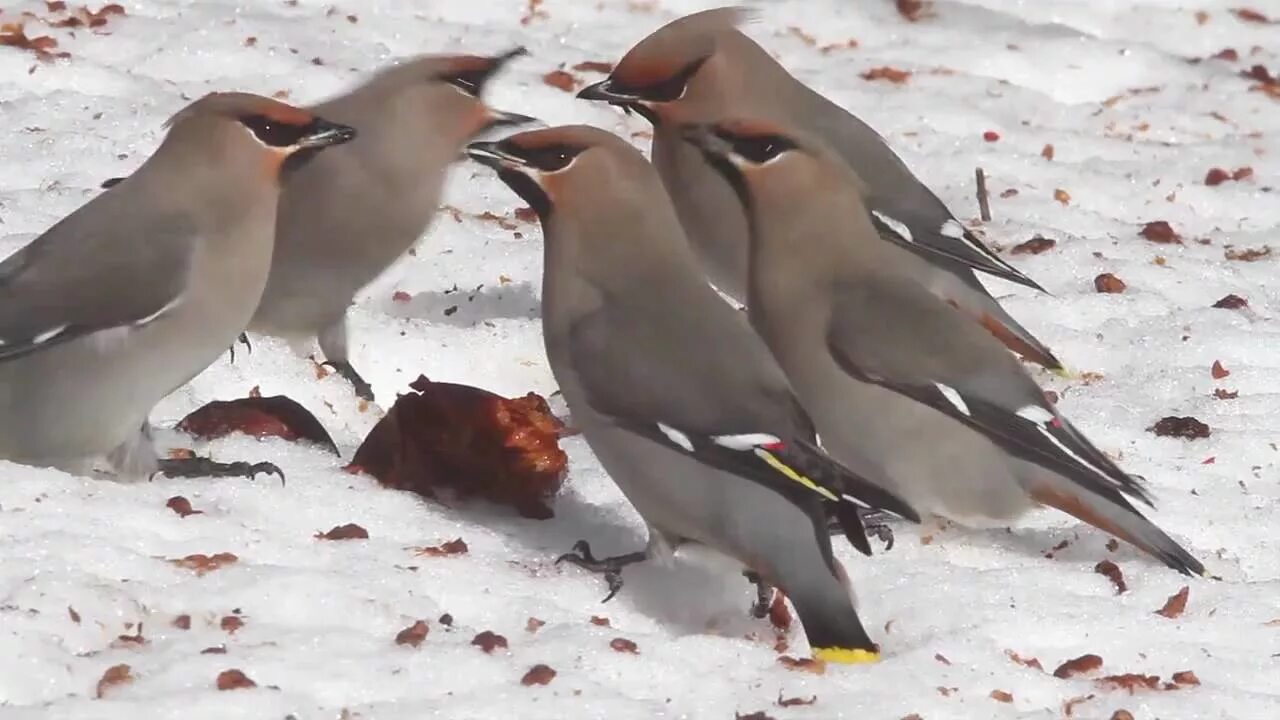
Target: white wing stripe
744, 442
167, 307
1035, 414
48, 335
954, 398
676, 437
897, 227
952, 229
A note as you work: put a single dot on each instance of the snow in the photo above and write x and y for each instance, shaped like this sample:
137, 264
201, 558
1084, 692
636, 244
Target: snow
320, 617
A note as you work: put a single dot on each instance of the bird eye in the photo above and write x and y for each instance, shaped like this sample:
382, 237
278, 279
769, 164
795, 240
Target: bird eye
273, 132
761, 150
552, 157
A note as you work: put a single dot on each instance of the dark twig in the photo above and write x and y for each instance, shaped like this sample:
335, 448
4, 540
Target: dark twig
984, 201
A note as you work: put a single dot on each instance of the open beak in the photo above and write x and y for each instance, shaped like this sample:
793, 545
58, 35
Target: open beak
491, 154
500, 118
603, 92
498, 62
508, 56
322, 133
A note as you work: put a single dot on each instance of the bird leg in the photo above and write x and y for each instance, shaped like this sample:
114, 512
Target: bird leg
207, 467
764, 594
363, 389
244, 338
875, 522
611, 567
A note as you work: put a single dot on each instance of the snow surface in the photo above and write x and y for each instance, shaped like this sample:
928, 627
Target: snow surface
320, 617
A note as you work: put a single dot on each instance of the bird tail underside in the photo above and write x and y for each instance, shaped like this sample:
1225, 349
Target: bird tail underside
1120, 519
1018, 339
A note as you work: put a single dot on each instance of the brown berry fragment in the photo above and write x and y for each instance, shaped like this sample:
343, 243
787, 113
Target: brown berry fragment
538, 675
234, 680
1078, 666
414, 634
1108, 283
624, 645
488, 641
1034, 246
1185, 427
1112, 573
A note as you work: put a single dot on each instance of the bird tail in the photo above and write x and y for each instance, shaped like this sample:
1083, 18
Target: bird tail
1118, 517
1018, 339
972, 298
823, 599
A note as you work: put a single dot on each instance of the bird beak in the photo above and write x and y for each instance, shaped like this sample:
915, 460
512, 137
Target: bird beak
500, 118
491, 154
322, 133
496, 63
603, 92
508, 56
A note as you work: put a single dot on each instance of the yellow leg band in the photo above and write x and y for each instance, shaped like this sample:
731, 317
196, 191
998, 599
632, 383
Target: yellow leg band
846, 656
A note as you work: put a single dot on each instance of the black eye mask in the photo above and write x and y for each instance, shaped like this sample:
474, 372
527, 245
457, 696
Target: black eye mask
275, 133
759, 149
665, 90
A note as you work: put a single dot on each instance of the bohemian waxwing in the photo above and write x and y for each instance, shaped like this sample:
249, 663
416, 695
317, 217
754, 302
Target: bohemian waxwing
884, 367
701, 69
350, 215
680, 400
140, 289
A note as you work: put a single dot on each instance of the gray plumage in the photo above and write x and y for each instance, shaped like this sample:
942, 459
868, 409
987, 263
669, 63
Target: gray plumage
701, 69
885, 369
354, 211
139, 290
674, 392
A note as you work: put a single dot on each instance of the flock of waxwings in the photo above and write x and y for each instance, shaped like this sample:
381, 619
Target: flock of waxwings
871, 374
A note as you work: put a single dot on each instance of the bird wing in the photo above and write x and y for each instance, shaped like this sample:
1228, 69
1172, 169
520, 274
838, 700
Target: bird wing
707, 387
932, 232
101, 267
896, 335
904, 210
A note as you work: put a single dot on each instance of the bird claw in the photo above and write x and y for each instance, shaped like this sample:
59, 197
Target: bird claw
363, 389
877, 524
244, 338
874, 522
764, 595
207, 467
610, 567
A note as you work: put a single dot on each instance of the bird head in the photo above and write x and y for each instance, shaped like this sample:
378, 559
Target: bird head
661, 77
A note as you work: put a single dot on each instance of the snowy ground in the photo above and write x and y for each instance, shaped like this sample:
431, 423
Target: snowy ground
83, 561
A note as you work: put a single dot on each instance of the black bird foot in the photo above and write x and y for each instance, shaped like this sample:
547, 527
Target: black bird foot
244, 338
111, 182
764, 595
207, 467
611, 567
875, 522
363, 390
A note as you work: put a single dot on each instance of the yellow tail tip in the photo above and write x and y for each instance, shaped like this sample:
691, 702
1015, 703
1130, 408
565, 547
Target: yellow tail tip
846, 656
1064, 372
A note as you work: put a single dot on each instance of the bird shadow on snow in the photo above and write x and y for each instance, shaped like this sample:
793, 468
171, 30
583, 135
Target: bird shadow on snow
692, 595
1066, 546
466, 307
